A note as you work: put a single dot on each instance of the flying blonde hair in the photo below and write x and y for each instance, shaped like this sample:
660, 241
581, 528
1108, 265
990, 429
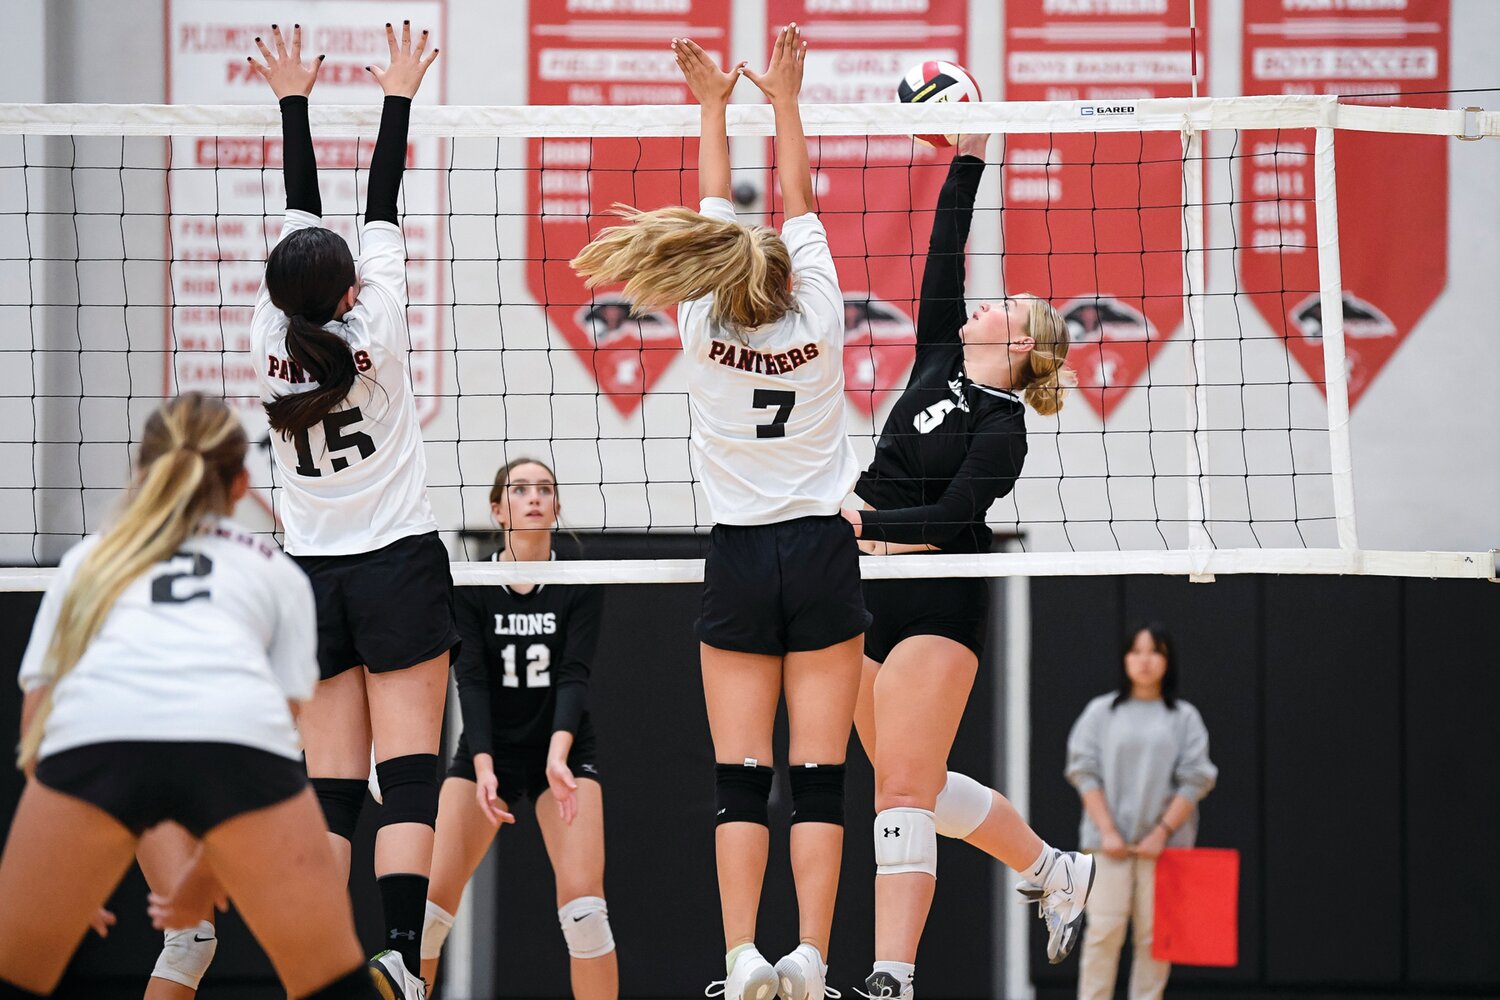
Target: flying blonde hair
1048, 376
673, 255
191, 451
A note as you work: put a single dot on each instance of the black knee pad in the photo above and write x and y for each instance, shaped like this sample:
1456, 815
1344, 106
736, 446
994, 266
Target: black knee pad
818, 793
409, 788
341, 799
741, 792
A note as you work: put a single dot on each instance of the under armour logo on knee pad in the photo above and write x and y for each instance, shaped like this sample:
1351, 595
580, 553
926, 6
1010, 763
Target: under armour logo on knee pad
893, 832
409, 935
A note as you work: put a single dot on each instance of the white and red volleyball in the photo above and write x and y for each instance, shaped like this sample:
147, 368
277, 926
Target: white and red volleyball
936, 80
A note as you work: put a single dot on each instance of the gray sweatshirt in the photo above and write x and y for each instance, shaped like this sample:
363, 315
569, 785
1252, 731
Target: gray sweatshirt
1142, 753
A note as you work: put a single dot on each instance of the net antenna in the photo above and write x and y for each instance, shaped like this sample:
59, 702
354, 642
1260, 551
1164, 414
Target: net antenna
93, 306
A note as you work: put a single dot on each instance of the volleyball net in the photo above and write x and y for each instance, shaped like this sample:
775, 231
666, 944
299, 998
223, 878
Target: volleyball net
1192, 245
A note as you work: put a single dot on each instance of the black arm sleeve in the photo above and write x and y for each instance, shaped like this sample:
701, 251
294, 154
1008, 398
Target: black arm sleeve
571, 677
299, 166
989, 471
942, 311
472, 673
388, 161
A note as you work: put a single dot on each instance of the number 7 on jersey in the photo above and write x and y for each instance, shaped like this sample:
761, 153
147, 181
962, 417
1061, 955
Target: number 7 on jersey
783, 400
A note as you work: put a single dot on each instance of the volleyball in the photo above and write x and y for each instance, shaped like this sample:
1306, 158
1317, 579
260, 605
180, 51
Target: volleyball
936, 80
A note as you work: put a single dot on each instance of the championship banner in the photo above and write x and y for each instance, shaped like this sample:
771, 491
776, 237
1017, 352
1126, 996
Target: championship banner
875, 194
221, 189
1363, 52
620, 56
1078, 229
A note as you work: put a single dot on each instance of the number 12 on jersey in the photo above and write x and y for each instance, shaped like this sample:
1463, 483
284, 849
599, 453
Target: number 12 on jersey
538, 666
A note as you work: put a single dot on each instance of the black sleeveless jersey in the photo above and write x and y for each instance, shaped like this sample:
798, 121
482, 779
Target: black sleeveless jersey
523, 671
950, 446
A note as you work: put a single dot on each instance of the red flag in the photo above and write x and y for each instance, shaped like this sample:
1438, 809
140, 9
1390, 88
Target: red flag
1197, 907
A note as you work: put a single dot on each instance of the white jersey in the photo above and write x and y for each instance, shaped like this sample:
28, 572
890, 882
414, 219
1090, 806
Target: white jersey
358, 480
768, 432
206, 646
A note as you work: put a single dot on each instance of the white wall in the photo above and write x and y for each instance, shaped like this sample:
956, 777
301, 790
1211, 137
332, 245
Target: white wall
1427, 451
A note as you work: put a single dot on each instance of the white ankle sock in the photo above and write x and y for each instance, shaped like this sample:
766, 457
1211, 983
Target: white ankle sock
1039, 869
903, 971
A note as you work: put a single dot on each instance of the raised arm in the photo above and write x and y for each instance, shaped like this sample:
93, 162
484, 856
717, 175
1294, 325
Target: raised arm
400, 81
291, 82
781, 84
943, 311
711, 88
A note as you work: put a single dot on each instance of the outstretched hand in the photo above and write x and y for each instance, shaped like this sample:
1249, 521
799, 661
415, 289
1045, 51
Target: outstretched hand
283, 69
973, 145
710, 85
782, 80
404, 75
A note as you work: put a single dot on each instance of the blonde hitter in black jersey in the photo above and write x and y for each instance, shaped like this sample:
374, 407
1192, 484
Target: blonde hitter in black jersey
953, 443
523, 677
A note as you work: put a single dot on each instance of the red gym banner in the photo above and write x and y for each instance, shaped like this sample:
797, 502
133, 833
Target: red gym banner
1392, 190
1093, 222
579, 55
875, 194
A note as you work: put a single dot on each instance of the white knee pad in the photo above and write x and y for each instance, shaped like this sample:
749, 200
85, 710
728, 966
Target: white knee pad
186, 955
962, 805
585, 926
435, 928
905, 841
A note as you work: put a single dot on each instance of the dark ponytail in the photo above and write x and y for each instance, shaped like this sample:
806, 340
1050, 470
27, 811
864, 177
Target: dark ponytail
307, 275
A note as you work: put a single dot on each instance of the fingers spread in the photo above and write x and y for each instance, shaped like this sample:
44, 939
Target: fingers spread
280, 43
405, 36
258, 67
390, 38
265, 52
422, 43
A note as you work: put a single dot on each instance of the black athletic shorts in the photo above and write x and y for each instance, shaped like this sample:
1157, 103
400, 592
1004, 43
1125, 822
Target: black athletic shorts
386, 610
521, 772
954, 608
782, 588
198, 785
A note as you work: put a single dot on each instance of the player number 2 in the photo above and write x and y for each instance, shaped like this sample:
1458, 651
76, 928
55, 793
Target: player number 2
538, 666
185, 567
336, 439
783, 400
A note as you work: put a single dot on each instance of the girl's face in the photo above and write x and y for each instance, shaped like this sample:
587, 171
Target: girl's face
1003, 323
1145, 665
530, 500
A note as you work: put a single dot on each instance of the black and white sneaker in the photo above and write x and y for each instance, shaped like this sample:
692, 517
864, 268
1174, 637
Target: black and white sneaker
1060, 897
393, 981
884, 986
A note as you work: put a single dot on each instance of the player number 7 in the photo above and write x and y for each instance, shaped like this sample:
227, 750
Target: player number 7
783, 400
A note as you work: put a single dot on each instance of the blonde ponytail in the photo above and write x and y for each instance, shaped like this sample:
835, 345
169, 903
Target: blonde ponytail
673, 255
191, 451
1049, 376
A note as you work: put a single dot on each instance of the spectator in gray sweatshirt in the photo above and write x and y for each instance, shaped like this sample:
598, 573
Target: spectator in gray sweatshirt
1139, 759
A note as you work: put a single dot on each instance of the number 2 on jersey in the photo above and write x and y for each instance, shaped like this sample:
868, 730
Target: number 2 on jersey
337, 440
783, 400
538, 666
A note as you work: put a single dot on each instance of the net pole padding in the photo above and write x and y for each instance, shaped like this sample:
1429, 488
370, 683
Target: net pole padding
1335, 372
1194, 284
1164, 562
